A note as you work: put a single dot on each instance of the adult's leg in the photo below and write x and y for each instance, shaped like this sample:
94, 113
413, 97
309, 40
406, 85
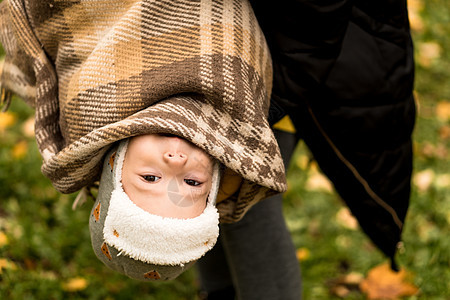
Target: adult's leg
258, 251
215, 276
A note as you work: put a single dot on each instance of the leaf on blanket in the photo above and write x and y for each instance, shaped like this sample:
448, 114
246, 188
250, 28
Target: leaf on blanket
383, 283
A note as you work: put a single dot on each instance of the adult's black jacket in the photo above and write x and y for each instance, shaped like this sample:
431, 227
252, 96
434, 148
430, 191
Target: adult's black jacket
344, 71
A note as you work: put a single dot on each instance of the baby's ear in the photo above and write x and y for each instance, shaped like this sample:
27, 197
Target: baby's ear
111, 160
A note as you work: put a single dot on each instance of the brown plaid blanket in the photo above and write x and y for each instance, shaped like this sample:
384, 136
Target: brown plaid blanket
101, 71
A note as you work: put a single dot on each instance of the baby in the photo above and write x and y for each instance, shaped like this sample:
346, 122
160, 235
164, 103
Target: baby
198, 69
155, 213
167, 176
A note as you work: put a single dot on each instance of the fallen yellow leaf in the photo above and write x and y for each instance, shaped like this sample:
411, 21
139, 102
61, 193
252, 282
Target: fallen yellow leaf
75, 284
443, 110
3, 239
7, 119
415, 20
20, 149
303, 254
6, 264
383, 283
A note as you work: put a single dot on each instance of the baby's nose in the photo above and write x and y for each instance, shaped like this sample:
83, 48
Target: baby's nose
175, 158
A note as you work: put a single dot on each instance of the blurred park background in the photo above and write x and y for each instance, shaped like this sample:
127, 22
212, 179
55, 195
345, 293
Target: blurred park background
45, 250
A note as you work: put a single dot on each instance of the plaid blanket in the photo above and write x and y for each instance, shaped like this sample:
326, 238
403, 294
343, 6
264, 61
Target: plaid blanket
101, 71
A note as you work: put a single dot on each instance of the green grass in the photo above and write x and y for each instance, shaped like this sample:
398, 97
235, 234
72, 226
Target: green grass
49, 244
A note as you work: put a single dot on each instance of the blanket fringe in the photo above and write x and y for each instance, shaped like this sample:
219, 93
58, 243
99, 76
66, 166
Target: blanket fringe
83, 195
5, 99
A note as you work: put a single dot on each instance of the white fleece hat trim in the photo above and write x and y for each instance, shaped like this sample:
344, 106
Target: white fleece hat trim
155, 239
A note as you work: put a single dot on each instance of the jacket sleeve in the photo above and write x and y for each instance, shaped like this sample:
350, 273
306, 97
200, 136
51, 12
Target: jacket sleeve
305, 38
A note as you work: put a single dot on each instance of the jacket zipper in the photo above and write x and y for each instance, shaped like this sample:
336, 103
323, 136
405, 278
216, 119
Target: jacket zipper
355, 172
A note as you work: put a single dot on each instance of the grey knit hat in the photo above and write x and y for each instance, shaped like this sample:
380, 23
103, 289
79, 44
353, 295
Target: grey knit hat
139, 244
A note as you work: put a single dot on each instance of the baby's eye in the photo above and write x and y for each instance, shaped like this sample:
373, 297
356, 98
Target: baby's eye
192, 182
150, 178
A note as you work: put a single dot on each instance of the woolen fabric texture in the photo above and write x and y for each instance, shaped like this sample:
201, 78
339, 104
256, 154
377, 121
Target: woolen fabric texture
98, 72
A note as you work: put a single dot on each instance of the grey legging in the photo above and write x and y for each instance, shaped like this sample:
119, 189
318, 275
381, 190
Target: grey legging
255, 257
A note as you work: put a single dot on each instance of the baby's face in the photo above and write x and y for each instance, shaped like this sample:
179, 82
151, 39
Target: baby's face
167, 176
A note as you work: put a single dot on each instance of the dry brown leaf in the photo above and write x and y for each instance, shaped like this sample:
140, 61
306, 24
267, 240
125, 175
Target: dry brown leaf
434, 151
443, 110
427, 150
441, 151
343, 285
383, 283
444, 132
75, 284
29, 264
